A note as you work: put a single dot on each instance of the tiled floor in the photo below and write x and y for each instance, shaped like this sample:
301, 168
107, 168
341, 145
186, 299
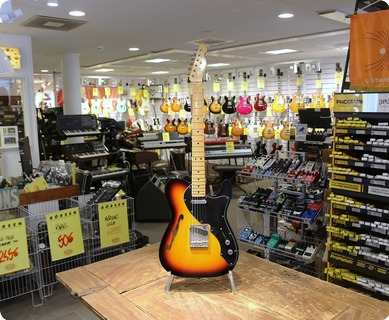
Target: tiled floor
61, 306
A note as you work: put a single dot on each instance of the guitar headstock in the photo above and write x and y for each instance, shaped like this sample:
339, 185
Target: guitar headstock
199, 64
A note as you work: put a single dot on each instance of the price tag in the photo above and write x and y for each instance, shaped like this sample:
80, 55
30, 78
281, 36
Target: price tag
165, 136
65, 235
13, 246
245, 130
107, 91
113, 223
176, 87
245, 85
95, 92
261, 83
146, 94
37, 185
182, 113
216, 87
120, 90
230, 147
230, 85
131, 112
260, 131
277, 133
318, 84
165, 89
338, 77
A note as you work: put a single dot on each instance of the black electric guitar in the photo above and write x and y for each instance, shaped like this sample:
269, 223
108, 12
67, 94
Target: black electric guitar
198, 241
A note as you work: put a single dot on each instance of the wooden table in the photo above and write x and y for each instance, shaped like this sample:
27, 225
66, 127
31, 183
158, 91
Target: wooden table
131, 286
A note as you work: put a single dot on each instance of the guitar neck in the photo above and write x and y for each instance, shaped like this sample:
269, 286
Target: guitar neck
198, 159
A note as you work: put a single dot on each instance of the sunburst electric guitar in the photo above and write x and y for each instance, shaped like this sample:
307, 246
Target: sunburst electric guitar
198, 241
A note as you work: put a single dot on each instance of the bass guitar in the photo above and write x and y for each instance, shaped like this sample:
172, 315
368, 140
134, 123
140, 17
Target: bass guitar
198, 241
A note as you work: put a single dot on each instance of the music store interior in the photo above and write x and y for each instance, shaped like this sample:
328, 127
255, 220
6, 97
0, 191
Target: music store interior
194, 159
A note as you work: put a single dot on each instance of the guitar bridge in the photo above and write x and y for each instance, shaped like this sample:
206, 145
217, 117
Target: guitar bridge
199, 236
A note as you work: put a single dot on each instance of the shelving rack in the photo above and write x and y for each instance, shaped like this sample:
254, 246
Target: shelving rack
358, 228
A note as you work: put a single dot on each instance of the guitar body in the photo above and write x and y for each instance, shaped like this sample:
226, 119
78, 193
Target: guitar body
228, 106
182, 127
318, 101
180, 252
222, 130
268, 131
297, 102
176, 105
187, 106
170, 126
164, 107
285, 132
237, 129
244, 106
208, 127
278, 104
122, 106
215, 106
260, 103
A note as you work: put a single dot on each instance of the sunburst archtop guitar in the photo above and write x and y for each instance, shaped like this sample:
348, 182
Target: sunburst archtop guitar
198, 241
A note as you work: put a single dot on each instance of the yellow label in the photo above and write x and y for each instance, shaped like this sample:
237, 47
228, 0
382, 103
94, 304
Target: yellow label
95, 92
113, 224
260, 131
165, 136
165, 89
182, 113
216, 87
348, 186
348, 102
339, 177
245, 85
299, 82
339, 206
341, 162
318, 84
13, 246
176, 87
37, 185
230, 147
230, 85
131, 112
65, 235
133, 91
343, 146
277, 133
120, 90
341, 130
338, 77
246, 130
146, 94
261, 82
107, 91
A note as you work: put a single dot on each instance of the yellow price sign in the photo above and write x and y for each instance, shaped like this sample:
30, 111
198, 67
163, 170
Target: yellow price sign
230, 147
65, 235
176, 87
165, 136
107, 91
146, 94
95, 92
338, 77
277, 133
230, 85
133, 91
131, 112
113, 224
299, 81
245, 85
120, 90
165, 89
216, 87
13, 246
261, 83
318, 84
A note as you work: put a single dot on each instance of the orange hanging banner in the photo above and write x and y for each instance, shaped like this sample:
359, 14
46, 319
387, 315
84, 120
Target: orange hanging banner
369, 52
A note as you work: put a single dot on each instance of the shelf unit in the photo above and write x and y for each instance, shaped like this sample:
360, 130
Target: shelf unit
271, 228
358, 228
11, 113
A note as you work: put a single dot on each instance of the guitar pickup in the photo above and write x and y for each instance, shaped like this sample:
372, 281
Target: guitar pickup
199, 236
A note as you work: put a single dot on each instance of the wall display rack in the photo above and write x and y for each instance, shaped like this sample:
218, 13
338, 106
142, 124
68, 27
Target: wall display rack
358, 229
289, 211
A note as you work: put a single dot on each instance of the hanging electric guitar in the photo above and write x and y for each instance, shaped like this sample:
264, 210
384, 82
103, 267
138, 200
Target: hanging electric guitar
170, 125
298, 98
215, 106
285, 132
222, 129
228, 106
237, 128
187, 105
164, 107
318, 97
268, 131
278, 104
198, 241
260, 103
208, 127
244, 106
182, 127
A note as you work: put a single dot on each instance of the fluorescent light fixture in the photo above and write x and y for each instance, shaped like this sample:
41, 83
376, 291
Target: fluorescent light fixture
281, 51
285, 15
77, 13
44, 70
5, 63
104, 70
52, 3
218, 64
157, 60
133, 49
160, 72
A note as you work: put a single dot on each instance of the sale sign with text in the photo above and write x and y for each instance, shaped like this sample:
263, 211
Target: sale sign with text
13, 246
65, 234
113, 220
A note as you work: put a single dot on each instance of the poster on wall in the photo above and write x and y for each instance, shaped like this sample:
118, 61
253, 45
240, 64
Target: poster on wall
13, 246
9, 137
65, 234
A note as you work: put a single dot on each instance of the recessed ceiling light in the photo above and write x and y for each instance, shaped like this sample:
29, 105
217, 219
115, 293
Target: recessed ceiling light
133, 49
160, 72
158, 60
218, 64
77, 13
281, 51
285, 15
52, 3
104, 70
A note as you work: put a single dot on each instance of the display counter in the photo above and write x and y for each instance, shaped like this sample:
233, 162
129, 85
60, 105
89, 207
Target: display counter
131, 286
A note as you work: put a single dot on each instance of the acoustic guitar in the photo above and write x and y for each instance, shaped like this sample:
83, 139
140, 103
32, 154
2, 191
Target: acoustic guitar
198, 241
278, 104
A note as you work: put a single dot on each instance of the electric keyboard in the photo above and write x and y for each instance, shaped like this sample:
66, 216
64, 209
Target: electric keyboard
214, 152
157, 141
77, 125
85, 151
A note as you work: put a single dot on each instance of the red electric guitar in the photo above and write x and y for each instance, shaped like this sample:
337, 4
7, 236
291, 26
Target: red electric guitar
260, 103
198, 241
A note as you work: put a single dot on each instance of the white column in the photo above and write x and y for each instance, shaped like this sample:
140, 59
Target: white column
71, 83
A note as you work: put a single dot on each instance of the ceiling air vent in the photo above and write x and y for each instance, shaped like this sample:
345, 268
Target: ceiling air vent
211, 41
53, 23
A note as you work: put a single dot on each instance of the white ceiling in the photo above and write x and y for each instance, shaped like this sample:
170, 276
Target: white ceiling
170, 29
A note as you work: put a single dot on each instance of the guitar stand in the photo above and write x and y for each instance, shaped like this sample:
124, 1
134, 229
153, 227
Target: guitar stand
170, 278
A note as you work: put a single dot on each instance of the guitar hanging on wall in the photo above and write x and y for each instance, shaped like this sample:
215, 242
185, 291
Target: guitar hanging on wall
298, 98
260, 102
278, 104
198, 241
228, 106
